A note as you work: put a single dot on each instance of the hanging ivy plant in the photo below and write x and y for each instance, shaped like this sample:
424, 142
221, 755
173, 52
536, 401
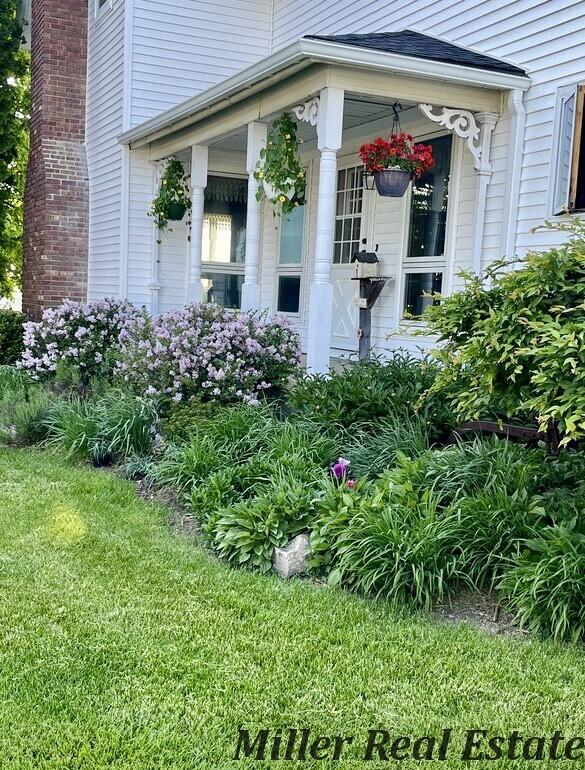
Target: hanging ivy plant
280, 176
174, 198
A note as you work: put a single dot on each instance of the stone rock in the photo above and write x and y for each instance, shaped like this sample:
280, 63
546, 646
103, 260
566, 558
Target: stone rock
292, 559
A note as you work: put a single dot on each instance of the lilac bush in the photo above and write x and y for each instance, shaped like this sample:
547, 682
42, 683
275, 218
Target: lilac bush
81, 336
208, 352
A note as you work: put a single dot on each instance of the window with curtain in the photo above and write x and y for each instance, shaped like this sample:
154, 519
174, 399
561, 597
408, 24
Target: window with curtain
224, 240
425, 259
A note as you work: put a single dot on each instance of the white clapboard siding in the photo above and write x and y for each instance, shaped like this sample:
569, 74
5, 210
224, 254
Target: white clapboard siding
179, 49
547, 37
176, 51
104, 154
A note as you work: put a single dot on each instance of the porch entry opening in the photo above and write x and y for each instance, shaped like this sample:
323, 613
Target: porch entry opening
348, 236
224, 240
425, 260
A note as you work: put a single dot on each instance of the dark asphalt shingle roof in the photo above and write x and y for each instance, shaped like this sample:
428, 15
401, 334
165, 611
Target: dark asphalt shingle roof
409, 43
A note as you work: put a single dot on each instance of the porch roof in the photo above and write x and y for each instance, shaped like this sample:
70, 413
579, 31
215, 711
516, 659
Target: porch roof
410, 43
406, 53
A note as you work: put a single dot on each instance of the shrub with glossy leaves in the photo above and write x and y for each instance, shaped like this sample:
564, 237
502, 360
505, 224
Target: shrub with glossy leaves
518, 347
208, 352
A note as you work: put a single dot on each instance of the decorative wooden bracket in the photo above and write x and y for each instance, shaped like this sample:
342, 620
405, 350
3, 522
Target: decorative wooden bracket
309, 111
462, 123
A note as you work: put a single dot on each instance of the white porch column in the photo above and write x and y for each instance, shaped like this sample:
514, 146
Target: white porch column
329, 133
199, 154
257, 133
487, 122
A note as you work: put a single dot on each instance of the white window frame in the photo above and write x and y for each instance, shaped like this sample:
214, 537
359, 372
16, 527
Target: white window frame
230, 268
300, 268
563, 95
344, 163
102, 7
432, 264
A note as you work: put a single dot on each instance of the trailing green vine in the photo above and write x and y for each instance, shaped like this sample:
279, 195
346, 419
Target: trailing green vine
174, 198
280, 176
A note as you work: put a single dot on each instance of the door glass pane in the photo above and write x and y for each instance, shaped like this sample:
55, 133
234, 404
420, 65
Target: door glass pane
223, 288
417, 285
291, 237
289, 292
348, 219
428, 213
224, 220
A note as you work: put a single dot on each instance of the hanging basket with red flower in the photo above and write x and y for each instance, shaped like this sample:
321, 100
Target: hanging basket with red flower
395, 161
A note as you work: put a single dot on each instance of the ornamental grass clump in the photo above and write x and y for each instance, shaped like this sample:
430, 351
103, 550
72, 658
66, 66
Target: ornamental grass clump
208, 352
83, 337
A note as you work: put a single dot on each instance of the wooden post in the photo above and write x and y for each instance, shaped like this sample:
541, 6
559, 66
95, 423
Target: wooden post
370, 290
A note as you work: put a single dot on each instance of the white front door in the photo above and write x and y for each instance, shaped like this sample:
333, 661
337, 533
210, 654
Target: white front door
349, 230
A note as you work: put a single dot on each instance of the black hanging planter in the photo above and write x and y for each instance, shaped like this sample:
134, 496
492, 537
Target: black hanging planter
176, 211
392, 182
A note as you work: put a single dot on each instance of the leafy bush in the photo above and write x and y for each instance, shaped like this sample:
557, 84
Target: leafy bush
115, 426
493, 527
334, 509
11, 336
372, 452
207, 352
81, 337
545, 587
367, 391
518, 346
400, 545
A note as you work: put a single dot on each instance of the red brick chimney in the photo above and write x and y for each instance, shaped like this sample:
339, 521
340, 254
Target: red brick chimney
57, 191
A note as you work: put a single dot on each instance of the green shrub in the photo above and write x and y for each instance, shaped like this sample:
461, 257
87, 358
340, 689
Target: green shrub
518, 346
367, 391
545, 587
468, 468
73, 426
11, 336
372, 452
247, 532
334, 509
184, 418
493, 526
112, 427
23, 419
400, 545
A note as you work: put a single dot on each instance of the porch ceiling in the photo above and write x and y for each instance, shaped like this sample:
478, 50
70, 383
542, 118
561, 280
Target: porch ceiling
357, 111
303, 69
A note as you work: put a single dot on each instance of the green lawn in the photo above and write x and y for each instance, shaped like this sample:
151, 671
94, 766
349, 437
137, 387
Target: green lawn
124, 645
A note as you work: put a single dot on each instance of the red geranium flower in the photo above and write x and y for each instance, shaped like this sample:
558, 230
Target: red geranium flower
399, 151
